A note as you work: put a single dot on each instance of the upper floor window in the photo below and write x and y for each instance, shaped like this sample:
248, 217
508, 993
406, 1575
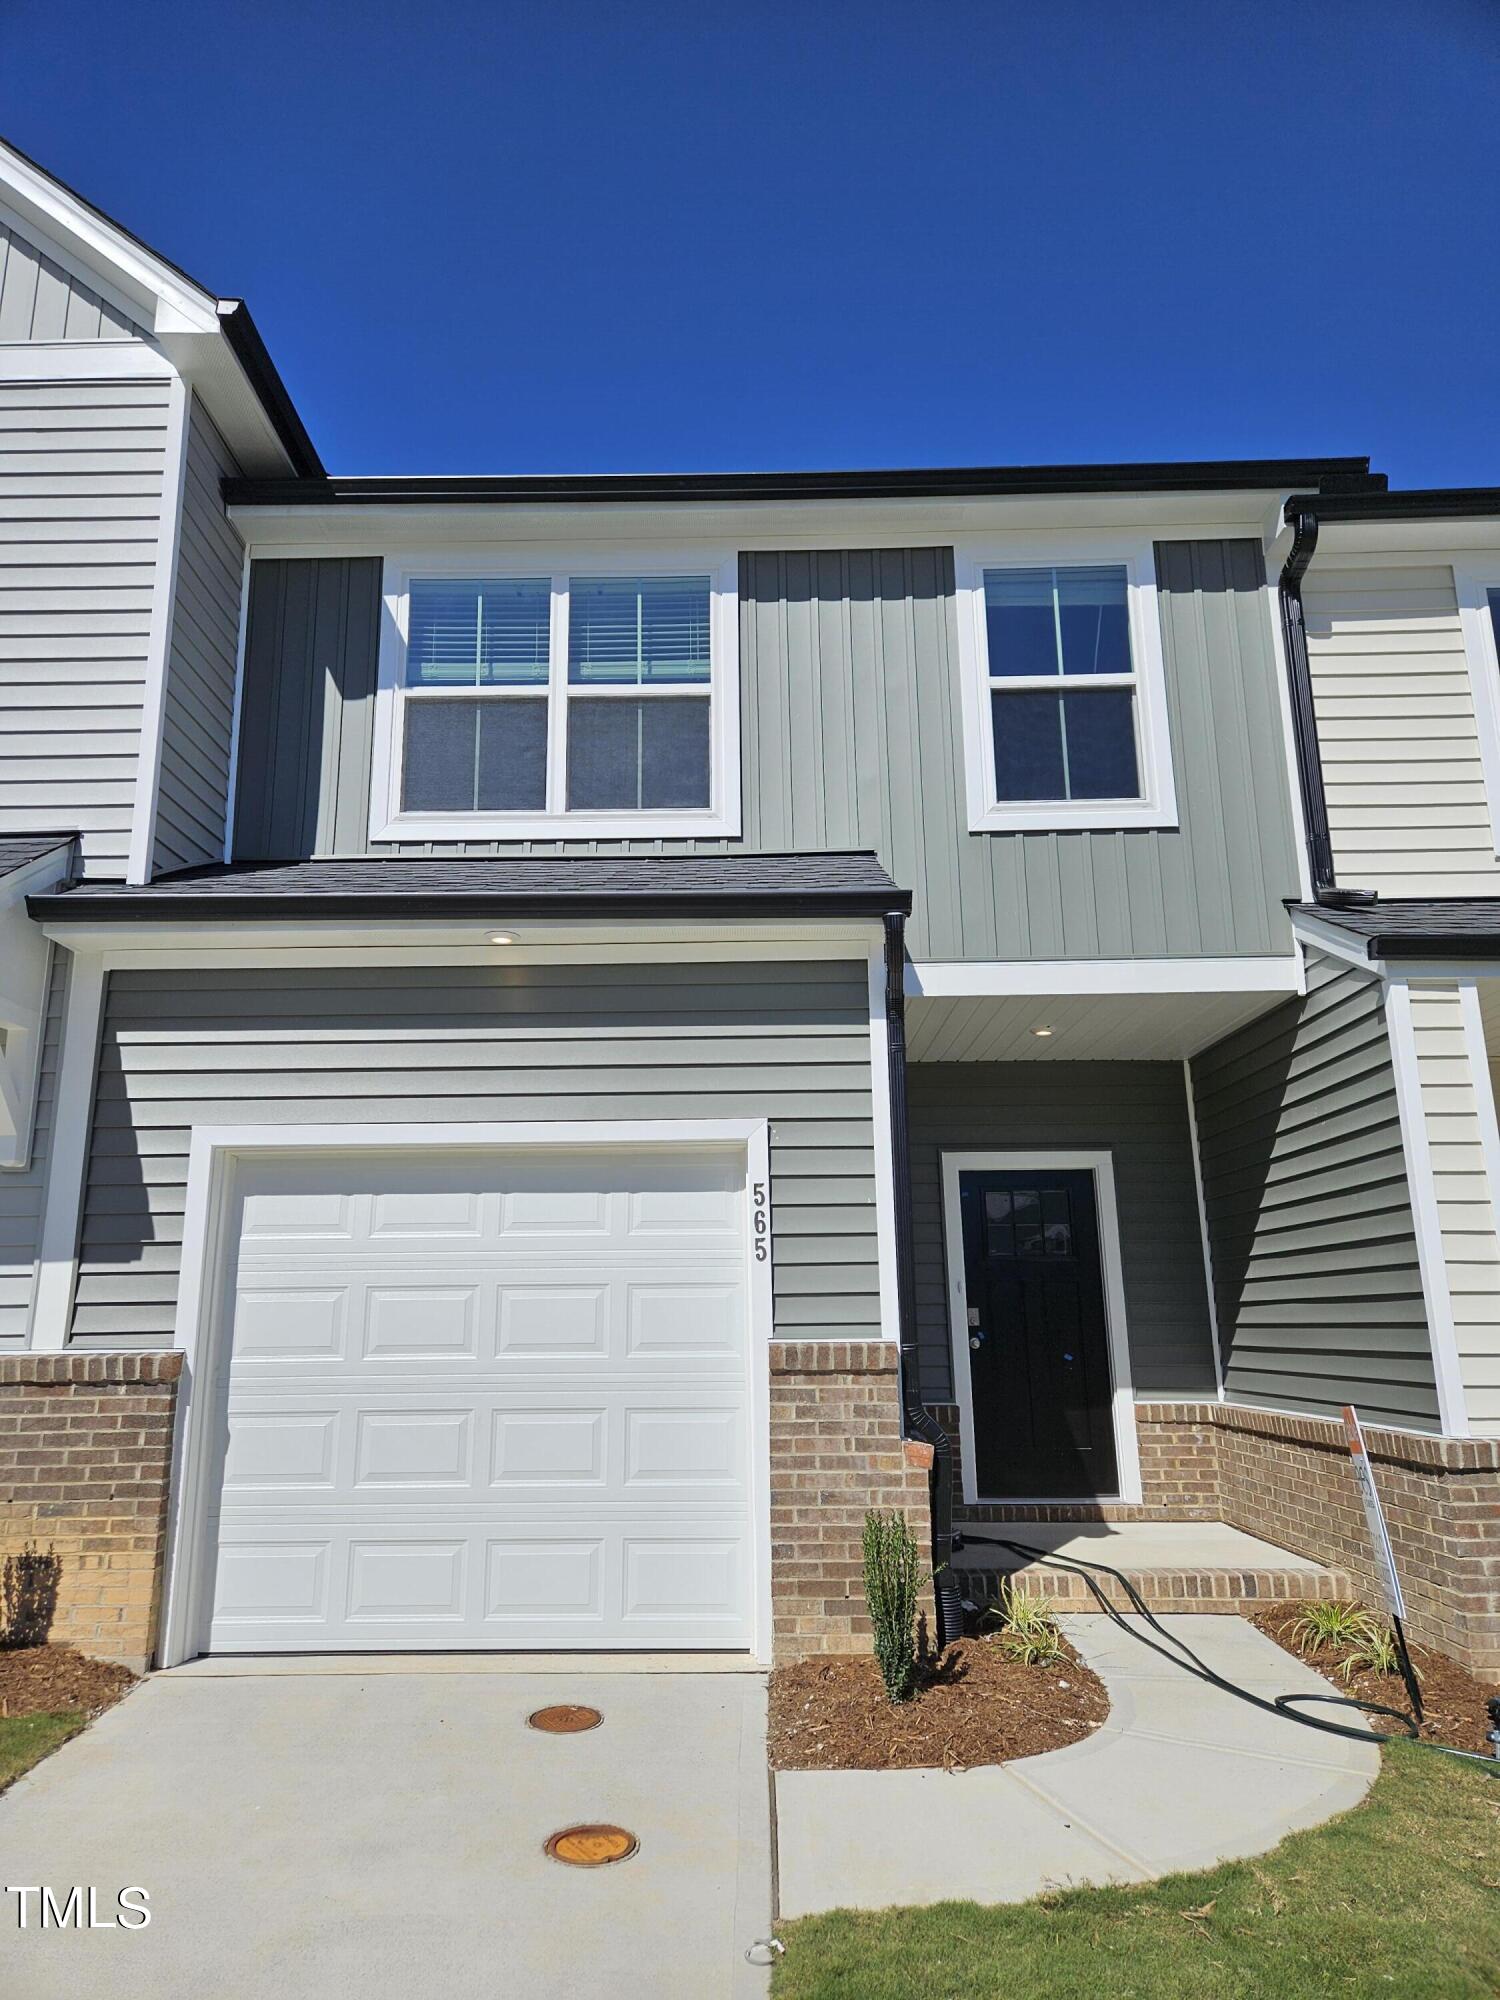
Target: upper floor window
1064, 693
593, 700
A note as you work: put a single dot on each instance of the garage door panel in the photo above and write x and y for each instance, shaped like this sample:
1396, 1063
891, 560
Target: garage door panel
486, 1401
534, 1449
578, 1582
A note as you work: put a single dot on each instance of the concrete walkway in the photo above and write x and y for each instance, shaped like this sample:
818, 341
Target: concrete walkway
379, 1834
1181, 1776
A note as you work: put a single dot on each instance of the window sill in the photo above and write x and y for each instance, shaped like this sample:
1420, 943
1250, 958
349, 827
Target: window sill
557, 826
1101, 817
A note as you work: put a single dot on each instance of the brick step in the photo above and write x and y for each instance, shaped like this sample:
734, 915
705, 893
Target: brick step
1163, 1590
1175, 1565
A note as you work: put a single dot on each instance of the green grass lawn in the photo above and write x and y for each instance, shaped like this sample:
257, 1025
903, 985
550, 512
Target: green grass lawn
1400, 1897
26, 1739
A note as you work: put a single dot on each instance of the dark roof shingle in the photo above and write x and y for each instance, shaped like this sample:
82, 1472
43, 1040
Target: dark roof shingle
18, 849
1416, 926
561, 885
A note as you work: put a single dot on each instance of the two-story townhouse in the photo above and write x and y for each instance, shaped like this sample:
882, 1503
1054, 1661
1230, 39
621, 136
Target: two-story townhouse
610, 1024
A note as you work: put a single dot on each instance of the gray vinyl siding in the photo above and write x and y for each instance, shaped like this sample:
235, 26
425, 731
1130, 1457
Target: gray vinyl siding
784, 1041
1316, 1277
1137, 1111
80, 495
39, 300
198, 701
852, 737
21, 1189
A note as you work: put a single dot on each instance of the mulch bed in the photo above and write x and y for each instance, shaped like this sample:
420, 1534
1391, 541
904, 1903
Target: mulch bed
47, 1680
1453, 1702
975, 1707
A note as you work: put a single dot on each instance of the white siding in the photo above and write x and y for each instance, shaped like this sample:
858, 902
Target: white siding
41, 301
1451, 1104
1400, 747
80, 493
198, 706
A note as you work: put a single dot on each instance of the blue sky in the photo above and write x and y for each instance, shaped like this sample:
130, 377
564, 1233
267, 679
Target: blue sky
579, 236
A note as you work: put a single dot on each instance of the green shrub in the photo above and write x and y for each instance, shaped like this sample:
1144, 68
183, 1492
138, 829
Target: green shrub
893, 1582
1328, 1625
1372, 1651
1029, 1631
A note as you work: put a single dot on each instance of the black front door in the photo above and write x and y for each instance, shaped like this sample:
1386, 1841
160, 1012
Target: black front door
1038, 1336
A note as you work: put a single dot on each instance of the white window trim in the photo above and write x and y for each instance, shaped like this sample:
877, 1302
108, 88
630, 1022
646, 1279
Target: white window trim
721, 819
1157, 805
1473, 586
1122, 1390
203, 1310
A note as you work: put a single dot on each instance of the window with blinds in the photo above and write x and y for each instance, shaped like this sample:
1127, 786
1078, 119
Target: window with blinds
551, 695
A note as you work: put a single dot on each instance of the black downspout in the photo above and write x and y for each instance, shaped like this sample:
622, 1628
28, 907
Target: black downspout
920, 1423
1304, 525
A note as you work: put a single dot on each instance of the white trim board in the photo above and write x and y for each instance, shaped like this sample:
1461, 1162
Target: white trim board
885, 1164
1472, 583
1100, 1163
38, 361
202, 1308
72, 1118
1006, 978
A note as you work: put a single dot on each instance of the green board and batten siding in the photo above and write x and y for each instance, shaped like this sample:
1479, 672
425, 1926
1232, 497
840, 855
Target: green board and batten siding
1316, 1274
784, 1041
1135, 1111
851, 735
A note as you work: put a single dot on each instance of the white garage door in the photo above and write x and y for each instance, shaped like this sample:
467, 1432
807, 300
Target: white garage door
488, 1400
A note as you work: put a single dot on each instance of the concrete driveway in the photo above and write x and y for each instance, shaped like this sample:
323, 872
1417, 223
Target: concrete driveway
379, 1834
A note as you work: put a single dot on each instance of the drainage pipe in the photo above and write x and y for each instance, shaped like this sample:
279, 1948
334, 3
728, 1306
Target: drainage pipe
920, 1422
1304, 525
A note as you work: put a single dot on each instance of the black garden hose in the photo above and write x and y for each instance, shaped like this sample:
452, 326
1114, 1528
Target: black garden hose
1188, 1660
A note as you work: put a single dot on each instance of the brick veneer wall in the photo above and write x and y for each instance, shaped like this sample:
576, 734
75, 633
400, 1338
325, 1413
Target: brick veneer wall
85, 1459
1288, 1480
836, 1450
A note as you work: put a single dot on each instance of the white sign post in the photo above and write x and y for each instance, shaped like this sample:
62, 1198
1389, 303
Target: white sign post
1385, 1560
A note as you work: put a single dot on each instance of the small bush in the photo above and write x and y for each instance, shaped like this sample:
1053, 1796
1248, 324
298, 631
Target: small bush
1029, 1631
893, 1582
1328, 1625
28, 1596
1372, 1651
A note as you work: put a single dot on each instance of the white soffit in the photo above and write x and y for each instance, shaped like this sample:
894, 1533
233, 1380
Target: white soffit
1113, 1027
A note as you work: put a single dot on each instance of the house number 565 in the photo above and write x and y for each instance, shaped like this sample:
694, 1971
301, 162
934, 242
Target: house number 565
760, 1209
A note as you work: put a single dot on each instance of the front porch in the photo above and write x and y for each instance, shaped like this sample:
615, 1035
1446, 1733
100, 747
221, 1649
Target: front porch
1247, 1166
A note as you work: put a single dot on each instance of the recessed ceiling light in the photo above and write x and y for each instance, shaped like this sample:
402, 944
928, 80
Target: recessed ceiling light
502, 937
1043, 1032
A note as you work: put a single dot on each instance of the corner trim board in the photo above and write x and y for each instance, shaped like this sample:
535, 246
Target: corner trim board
57, 1248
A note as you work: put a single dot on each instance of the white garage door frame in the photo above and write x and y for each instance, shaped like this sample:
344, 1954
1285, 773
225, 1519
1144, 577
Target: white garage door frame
203, 1319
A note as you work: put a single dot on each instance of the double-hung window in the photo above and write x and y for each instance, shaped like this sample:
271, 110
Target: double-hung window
1064, 694
568, 701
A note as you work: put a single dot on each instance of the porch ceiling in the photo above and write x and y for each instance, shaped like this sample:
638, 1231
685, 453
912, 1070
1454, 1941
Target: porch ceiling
1104, 1027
